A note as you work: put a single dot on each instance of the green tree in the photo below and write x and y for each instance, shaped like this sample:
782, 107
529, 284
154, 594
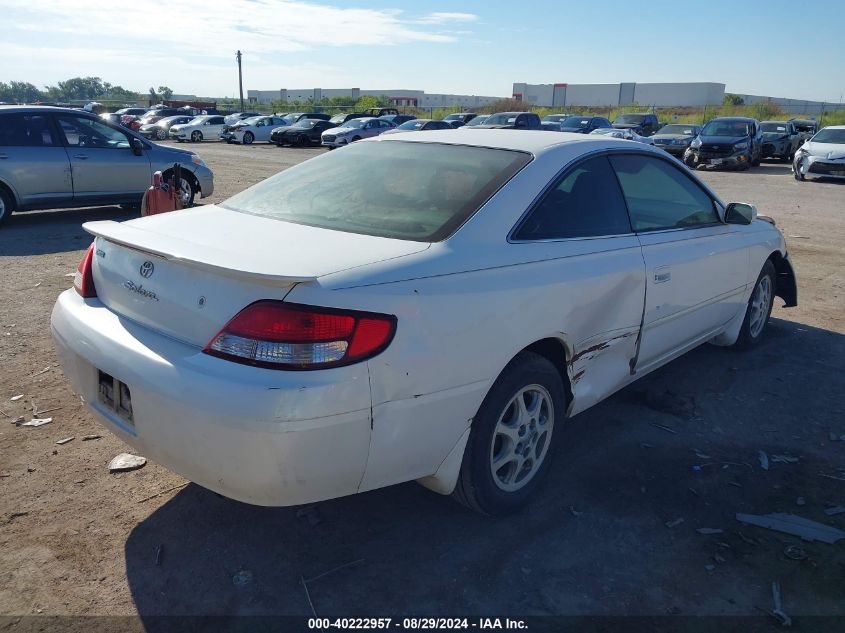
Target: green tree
367, 101
165, 92
19, 91
76, 88
733, 100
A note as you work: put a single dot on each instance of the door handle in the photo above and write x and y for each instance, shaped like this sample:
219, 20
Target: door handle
81, 156
662, 274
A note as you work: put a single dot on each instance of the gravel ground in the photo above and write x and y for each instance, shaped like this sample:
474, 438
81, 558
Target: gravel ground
75, 539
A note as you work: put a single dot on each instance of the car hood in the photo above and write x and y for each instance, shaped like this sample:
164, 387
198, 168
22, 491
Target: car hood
723, 140
627, 126
281, 129
581, 130
831, 151
240, 244
343, 130
494, 126
672, 137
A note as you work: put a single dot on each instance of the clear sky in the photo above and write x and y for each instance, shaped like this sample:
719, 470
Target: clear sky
775, 47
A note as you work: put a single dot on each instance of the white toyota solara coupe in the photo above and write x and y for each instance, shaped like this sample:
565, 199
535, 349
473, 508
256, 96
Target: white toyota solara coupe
426, 307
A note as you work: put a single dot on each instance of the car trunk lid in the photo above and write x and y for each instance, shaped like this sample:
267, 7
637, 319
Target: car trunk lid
186, 273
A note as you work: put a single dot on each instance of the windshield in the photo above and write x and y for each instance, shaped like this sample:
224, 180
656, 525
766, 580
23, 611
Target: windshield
355, 123
804, 126
412, 125
830, 135
504, 118
252, 120
306, 124
337, 118
725, 128
479, 120
199, 119
555, 117
777, 128
401, 190
686, 130
630, 118
575, 121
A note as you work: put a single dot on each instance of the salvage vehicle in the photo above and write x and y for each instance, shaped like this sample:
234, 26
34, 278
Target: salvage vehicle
512, 121
675, 138
459, 119
397, 119
823, 156
421, 125
354, 130
552, 122
256, 129
625, 134
305, 132
198, 129
159, 129
780, 139
53, 158
726, 143
481, 119
345, 325
806, 128
231, 119
584, 124
644, 124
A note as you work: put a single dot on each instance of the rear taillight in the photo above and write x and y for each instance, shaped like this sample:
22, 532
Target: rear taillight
283, 335
83, 280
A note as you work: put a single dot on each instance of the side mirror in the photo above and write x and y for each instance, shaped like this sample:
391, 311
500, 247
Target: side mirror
740, 213
137, 146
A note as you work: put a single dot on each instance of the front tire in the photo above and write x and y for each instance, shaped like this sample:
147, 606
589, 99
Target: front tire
249, 137
5, 206
161, 135
196, 136
759, 309
513, 437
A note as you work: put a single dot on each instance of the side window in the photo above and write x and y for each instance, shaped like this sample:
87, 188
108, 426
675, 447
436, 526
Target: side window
85, 132
586, 202
661, 196
25, 130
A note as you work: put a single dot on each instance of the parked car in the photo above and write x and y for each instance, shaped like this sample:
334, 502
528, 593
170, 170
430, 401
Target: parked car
302, 133
644, 124
111, 117
41, 145
397, 119
160, 129
584, 124
512, 121
552, 122
806, 128
780, 139
205, 127
229, 119
379, 112
352, 338
131, 111
420, 125
340, 119
295, 117
823, 156
459, 119
727, 143
157, 114
675, 138
481, 119
354, 130
256, 129
624, 134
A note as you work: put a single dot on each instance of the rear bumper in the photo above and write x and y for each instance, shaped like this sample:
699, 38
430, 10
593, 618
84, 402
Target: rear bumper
256, 435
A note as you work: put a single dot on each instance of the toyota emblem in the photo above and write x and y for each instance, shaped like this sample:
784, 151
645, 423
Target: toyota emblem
147, 269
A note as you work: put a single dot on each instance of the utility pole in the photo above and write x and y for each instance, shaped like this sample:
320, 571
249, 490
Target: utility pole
240, 80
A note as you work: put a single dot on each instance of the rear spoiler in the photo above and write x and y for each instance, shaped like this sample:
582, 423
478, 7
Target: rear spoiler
178, 249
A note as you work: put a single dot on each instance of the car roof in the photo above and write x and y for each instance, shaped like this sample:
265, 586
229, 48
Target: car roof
532, 141
743, 119
773, 121
40, 108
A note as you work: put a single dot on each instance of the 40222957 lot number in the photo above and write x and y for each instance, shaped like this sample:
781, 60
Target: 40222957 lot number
430, 624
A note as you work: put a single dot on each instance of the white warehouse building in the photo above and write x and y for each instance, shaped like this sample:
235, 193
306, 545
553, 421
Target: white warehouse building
612, 95
398, 97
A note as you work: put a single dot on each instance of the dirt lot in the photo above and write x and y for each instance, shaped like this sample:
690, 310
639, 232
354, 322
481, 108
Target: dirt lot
75, 539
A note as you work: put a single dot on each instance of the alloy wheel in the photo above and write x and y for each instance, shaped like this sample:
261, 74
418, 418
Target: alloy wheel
760, 301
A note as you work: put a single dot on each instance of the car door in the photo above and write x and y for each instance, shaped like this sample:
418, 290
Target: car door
33, 162
103, 164
212, 127
696, 266
591, 269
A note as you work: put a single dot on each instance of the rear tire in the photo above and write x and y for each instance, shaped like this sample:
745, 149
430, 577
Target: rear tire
5, 205
759, 309
513, 437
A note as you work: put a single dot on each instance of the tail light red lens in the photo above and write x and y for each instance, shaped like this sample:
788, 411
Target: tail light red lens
283, 335
83, 280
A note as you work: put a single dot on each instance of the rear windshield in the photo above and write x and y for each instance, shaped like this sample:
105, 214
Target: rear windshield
402, 190
576, 121
630, 118
501, 119
773, 127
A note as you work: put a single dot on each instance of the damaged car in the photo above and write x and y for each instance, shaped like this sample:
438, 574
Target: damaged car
780, 139
823, 156
726, 143
416, 307
675, 138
